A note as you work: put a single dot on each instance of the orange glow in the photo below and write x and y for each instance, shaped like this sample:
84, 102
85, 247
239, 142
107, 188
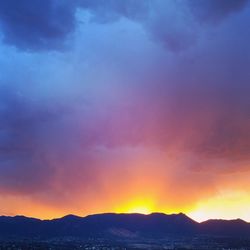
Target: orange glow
199, 195
225, 205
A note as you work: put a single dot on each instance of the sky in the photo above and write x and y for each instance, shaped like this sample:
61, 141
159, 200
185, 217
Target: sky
125, 106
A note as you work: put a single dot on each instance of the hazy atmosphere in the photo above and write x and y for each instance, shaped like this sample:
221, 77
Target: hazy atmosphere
125, 106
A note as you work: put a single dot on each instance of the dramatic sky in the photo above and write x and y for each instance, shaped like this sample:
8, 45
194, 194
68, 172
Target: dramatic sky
125, 106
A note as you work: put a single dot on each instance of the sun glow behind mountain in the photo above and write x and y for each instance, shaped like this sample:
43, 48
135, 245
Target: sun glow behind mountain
137, 206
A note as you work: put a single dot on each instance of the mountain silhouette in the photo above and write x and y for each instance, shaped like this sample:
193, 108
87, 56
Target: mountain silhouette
110, 225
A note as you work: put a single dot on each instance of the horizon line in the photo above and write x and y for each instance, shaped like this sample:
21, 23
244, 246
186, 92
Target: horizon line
121, 213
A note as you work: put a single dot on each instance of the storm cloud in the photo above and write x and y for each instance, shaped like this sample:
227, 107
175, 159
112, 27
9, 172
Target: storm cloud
36, 25
135, 96
48, 25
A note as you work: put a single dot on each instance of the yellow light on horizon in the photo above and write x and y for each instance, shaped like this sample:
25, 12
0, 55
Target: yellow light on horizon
140, 210
141, 206
227, 205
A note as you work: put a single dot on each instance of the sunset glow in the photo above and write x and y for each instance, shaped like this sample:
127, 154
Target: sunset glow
124, 107
137, 206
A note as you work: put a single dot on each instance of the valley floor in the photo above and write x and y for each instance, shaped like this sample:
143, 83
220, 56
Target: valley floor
183, 243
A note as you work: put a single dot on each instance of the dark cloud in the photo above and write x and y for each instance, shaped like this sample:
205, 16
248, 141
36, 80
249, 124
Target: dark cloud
38, 24
41, 146
175, 24
71, 122
45, 25
215, 11
24, 162
163, 20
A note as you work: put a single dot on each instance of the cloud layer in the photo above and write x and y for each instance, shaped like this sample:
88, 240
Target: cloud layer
107, 102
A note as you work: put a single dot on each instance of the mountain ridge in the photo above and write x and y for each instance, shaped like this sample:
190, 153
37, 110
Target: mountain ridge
113, 225
114, 213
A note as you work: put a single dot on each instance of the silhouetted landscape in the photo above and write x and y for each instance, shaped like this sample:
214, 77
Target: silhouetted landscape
123, 231
136, 107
